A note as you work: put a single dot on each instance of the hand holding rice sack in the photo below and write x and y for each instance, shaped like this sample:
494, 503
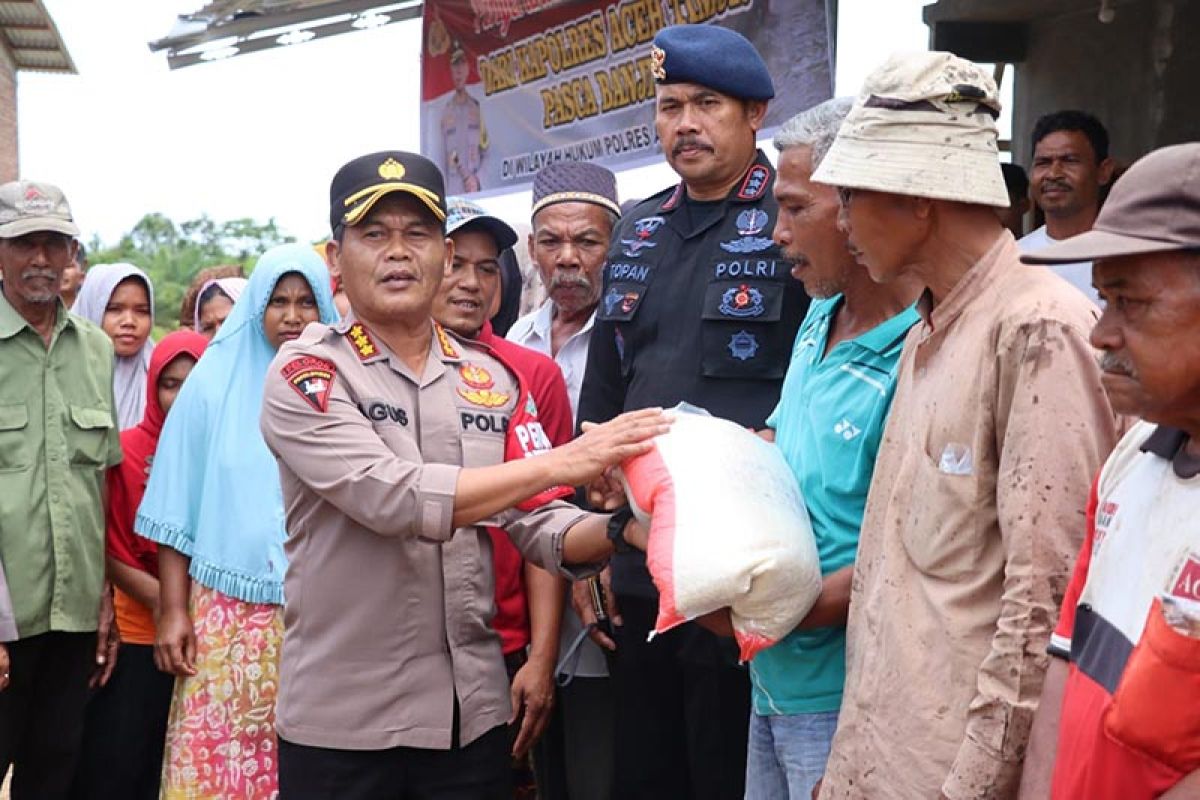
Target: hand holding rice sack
728, 529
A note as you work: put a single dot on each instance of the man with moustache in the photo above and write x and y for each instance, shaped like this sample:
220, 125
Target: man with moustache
975, 510
1070, 169
1118, 709
698, 306
397, 445
58, 434
574, 210
529, 600
828, 425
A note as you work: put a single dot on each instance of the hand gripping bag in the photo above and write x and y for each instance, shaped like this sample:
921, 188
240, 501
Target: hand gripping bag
728, 529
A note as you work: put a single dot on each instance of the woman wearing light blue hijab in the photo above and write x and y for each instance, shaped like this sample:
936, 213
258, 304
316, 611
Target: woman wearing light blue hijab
214, 505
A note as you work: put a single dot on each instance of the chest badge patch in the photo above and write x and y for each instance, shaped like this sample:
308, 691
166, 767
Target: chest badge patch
754, 185
615, 297
312, 378
643, 229
743, 346
750, 223
478, 387
741, 301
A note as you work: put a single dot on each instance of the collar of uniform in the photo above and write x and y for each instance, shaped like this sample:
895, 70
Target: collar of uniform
750, 188
1167, 442
977, 280
890, 333
12, 323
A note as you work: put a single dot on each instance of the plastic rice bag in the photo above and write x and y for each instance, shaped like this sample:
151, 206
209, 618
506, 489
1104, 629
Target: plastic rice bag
728, 528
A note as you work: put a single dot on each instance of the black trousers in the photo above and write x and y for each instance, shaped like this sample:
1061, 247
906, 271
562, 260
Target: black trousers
682, 712
125, 730
479, 771
41, 712
574, 759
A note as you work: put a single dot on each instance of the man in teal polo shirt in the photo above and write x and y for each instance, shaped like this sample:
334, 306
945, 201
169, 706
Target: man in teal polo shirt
828, 424
58, 435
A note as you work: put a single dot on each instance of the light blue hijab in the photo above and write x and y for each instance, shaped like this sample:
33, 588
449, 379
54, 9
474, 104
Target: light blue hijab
214, 491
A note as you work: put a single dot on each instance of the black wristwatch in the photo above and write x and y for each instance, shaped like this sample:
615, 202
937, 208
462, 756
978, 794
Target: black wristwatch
616, 529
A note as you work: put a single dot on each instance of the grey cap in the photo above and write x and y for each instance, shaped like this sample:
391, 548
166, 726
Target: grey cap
29, 207
1153, 208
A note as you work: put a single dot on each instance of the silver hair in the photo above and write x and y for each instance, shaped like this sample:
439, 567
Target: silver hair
816, 128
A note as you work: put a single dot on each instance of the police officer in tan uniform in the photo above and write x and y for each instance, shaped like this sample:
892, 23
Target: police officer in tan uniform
392, 438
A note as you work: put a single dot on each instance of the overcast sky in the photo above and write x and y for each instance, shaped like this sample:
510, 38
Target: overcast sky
261, 135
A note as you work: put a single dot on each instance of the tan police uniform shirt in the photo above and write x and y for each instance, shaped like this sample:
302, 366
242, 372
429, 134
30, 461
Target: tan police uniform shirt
387, 607
974, 517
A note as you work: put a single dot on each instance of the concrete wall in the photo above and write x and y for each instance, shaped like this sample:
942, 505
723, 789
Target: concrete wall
1140, 74
8, 117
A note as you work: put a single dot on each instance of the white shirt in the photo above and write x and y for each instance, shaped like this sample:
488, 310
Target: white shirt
534, 331
1078, 273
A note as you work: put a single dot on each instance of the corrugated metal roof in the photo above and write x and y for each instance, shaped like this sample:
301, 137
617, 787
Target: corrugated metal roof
30, 35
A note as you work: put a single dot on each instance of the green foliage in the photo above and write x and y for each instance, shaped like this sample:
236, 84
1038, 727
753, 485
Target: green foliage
172, 254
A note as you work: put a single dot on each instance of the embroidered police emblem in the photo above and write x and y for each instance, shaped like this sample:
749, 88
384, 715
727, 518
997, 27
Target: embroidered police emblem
741, 301
643, 229
658, 63
747, 244
752, 221
615, 297
743, 346
646, 227
478, 388
312, 378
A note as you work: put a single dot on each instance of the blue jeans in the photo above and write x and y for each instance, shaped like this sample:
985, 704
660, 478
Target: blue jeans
787, 753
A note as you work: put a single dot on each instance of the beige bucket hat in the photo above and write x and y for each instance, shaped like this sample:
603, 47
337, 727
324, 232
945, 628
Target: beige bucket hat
923, 125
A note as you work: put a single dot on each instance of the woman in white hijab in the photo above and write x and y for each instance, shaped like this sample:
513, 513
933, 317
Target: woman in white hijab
120, 299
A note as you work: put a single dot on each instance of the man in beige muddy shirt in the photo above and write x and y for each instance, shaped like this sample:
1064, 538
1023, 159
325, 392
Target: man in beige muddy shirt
999, 423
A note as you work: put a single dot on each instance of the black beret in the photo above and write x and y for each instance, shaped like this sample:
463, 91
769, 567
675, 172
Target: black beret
360, 183
579, 181
712, 56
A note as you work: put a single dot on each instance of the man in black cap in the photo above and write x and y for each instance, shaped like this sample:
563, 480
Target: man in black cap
391, 438
697, 305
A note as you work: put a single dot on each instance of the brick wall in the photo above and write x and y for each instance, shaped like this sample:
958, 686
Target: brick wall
8, 117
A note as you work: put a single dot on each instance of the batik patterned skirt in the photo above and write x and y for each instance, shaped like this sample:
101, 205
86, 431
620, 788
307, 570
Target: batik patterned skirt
221, 733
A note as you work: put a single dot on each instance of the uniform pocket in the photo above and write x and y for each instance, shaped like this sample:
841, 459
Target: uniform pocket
1154, 708
940, 536
88, 436
737, 338
16, 447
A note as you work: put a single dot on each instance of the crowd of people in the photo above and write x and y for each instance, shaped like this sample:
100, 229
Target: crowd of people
302, 547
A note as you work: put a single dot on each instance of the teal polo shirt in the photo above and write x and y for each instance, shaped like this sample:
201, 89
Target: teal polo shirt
828, 425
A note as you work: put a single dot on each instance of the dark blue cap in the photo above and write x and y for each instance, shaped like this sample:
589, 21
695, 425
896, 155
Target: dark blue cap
712, 56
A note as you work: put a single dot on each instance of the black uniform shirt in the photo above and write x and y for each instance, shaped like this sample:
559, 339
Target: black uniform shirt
698, 306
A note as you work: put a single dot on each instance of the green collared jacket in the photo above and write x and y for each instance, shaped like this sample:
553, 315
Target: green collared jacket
58, 435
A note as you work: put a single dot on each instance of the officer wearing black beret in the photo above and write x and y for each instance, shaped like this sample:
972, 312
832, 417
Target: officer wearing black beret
698, 306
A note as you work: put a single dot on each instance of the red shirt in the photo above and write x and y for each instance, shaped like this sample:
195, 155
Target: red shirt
545, 382
1127, 729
